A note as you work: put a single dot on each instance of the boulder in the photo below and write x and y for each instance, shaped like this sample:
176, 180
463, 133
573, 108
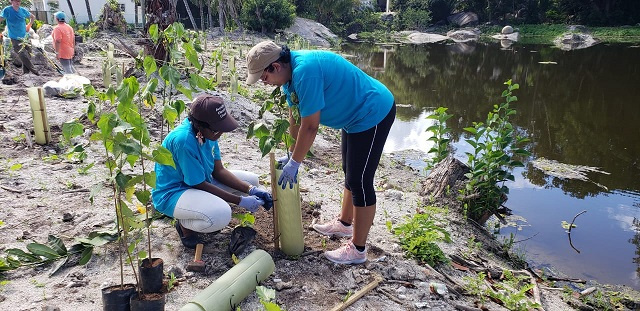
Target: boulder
316, 33
464, 35
463, 19
507, 30
421, 37
574, 41
45, 30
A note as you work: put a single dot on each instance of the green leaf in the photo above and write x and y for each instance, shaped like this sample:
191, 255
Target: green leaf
185, 91
153, 33
163, 156
170, 74
143, 196
23, 256
42, 250
149, 62
57, 266
72, 129
86, 256
56, 244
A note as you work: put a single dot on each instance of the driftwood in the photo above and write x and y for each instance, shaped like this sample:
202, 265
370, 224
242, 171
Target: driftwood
443, 175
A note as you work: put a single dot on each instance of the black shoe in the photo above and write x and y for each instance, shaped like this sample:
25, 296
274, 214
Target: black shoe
190, 241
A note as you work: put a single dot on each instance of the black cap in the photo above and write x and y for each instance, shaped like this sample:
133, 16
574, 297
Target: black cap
211, 110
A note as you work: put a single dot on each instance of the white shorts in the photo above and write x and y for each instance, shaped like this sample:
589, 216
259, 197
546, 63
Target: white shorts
204, 212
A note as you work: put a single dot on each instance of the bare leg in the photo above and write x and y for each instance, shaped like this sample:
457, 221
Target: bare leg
362, 222
346, 214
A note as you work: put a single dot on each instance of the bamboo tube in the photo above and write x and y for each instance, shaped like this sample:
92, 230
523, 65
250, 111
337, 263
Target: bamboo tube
39, 113
235, 285
289, 218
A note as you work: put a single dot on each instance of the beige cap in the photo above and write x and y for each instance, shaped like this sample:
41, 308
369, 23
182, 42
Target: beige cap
260, 57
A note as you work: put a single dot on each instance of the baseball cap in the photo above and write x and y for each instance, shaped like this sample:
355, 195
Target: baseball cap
211, 110
60, 15
260, 57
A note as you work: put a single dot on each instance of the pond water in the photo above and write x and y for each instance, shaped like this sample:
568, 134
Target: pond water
577, 107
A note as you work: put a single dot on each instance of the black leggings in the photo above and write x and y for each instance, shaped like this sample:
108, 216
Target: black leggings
361, 154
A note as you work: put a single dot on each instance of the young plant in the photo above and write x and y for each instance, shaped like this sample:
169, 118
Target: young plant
495, 144
272, 135
439, 136
418, 236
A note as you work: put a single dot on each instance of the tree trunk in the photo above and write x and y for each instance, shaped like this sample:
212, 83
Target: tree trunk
73, 14
201, 7
234, 14
193, 22
86, 3
163, 13
209, 16
444, 174
221, 15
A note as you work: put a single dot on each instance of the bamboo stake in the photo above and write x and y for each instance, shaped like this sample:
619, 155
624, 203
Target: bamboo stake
358, 294
276, 232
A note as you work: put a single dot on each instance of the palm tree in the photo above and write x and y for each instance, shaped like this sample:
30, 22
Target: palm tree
73, 14
86, 3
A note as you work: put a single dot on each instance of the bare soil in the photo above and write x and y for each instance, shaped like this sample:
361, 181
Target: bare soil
36, 196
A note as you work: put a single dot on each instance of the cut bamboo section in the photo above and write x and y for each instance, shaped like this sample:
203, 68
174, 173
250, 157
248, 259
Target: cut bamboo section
39, 113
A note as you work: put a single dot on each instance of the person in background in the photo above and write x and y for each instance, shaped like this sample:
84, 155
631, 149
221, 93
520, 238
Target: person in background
17, 29
64, 41
324, 88
197, 192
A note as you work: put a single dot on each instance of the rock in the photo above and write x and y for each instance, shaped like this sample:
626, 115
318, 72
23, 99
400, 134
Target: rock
283, 285
463, 19
574, 41
50, 308
507, 30
353, 37
45, 30
316, 33
420, 38
464, 35
67, 217
394, 194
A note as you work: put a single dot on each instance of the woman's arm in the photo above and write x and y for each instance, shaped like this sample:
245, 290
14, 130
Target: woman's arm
224, 176
305, 135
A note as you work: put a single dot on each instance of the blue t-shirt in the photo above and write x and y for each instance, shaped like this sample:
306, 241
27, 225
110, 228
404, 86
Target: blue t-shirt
346, 96
16, 24
194, 164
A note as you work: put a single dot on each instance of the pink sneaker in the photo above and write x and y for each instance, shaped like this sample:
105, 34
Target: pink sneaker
347, 254
334, 228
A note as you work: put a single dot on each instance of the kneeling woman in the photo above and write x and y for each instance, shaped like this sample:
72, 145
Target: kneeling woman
197, 192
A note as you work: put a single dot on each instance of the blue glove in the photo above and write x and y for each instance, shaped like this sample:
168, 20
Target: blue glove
282, 161
289, 174
250, 203
263, 195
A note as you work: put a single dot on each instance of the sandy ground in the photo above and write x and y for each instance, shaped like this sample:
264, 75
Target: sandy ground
35, 196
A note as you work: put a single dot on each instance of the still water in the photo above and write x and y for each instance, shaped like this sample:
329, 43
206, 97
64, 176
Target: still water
577, 107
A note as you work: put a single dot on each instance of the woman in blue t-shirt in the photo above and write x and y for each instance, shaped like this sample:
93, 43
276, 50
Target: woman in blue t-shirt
197, 192
327, 89
17, 31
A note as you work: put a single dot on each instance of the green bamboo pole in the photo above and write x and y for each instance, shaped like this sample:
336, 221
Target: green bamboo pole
235, 285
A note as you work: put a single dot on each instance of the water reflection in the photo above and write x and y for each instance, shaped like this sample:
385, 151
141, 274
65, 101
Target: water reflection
578, 107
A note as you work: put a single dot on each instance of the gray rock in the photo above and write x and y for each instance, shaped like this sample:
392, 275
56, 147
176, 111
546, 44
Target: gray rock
316, 33
463, 19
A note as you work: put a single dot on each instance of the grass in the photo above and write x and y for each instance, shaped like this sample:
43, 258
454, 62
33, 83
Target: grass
544, 34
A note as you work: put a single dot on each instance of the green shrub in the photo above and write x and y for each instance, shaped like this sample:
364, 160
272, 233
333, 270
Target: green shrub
418, 236
267, 15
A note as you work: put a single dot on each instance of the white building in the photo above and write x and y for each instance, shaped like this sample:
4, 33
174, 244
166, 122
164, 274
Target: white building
80, 9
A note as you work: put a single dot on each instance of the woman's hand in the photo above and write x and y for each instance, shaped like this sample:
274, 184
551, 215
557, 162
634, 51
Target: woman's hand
263, 195
250, 203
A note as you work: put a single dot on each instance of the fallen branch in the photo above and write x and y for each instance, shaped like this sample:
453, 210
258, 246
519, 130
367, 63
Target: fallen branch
11, 189
389, 295
403, 283
574, 219
358, 294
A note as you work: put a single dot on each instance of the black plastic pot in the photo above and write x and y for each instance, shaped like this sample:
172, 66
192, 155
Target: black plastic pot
149, 302
151, 274
116, 298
